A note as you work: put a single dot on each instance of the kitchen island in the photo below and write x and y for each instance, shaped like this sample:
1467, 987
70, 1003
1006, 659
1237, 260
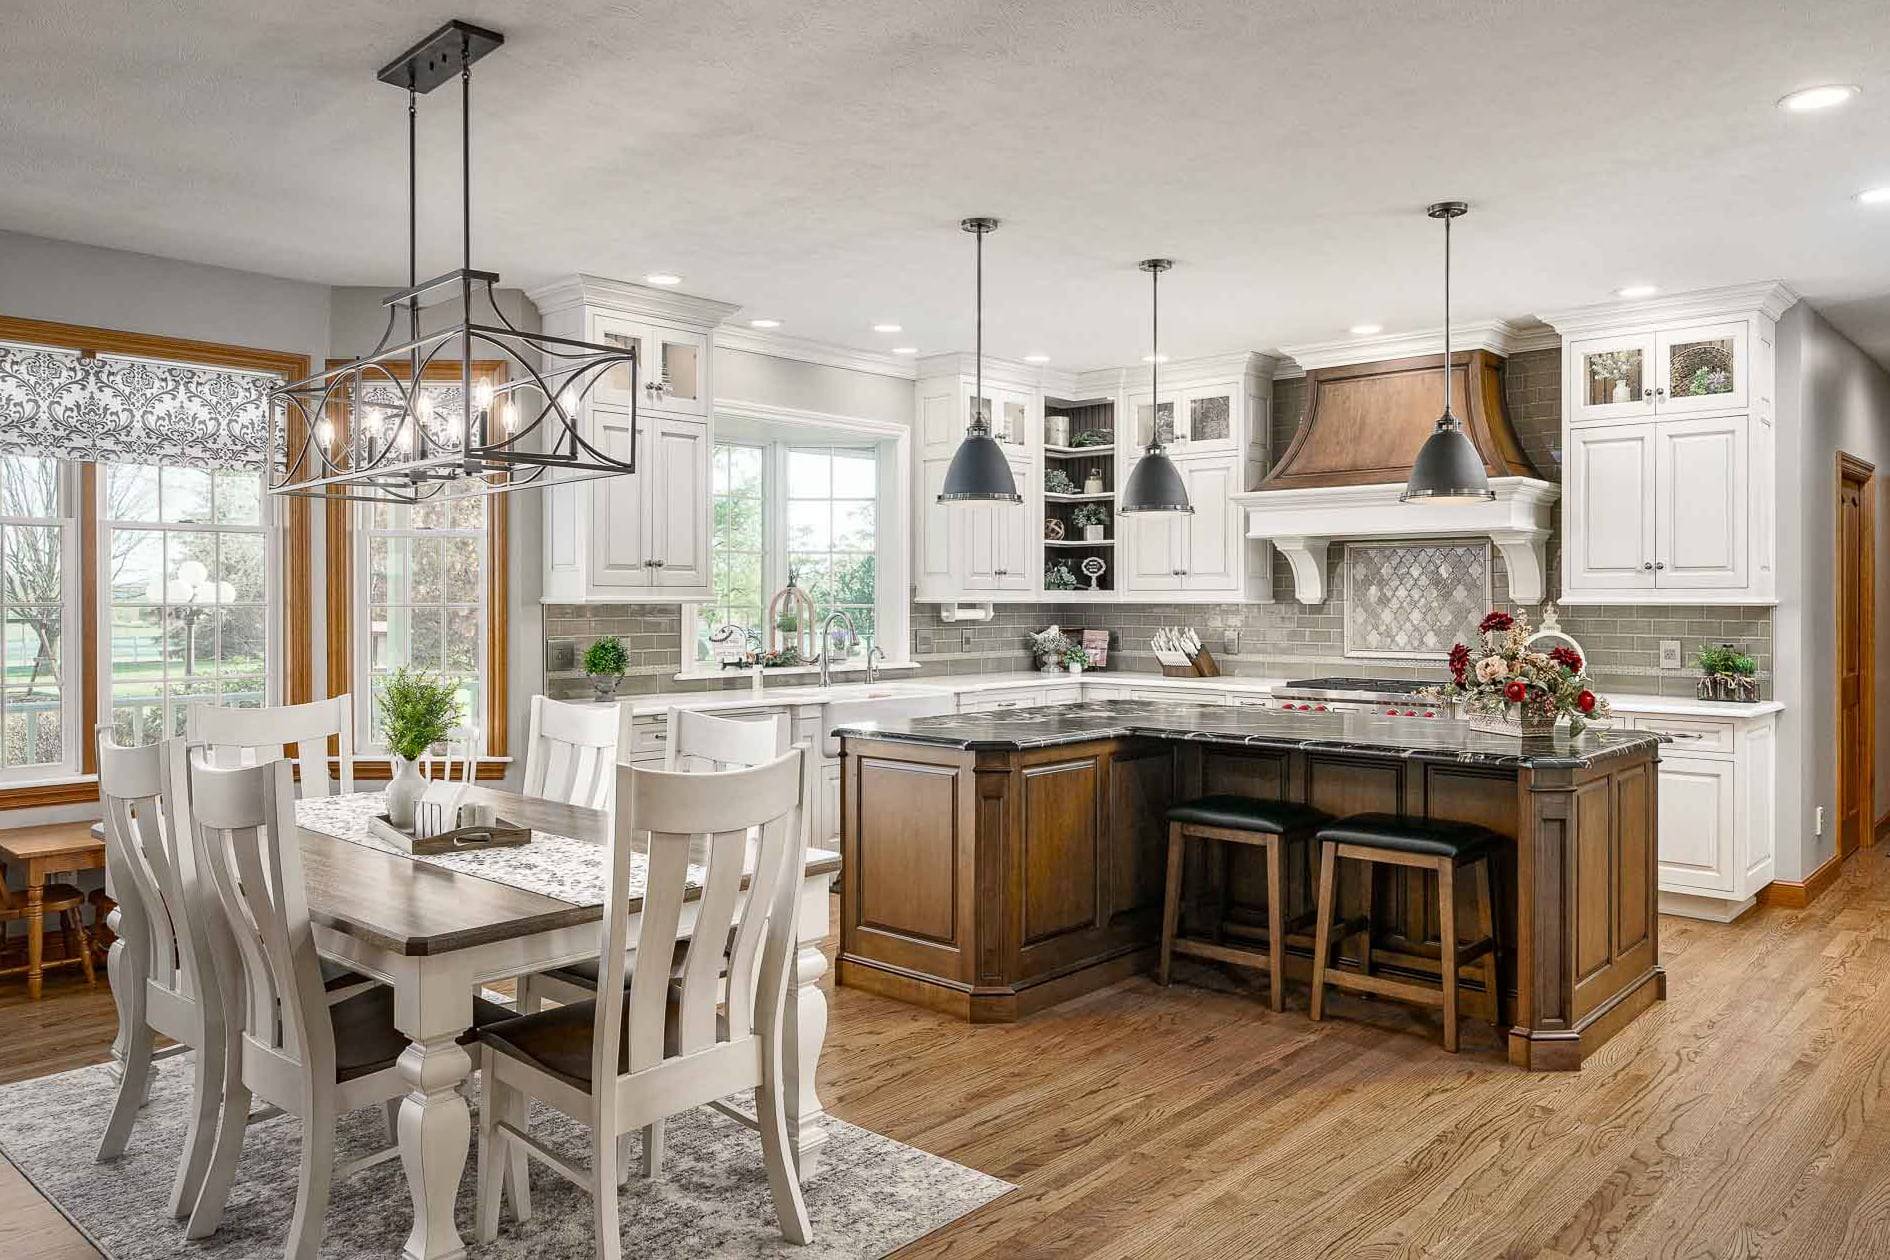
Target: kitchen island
997, 863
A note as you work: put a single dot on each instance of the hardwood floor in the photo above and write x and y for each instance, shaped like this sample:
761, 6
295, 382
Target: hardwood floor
1748, 1116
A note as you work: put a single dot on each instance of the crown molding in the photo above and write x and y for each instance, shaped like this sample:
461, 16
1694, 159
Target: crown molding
1498, 336
622, 296
822, 353
1052, 381
1770, 298
775, 414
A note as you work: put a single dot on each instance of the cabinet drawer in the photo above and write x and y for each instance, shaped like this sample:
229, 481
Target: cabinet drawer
649, 736
1691, 735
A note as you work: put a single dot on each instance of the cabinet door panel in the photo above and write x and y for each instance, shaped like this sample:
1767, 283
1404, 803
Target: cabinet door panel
677, 360
1015, 528
1703, 508
941, 530
1153, 541
1206, 420
1696, 824
618, 550
1611, 378
1211, 555
1608, 510
613, 388
678, 486
1703, 369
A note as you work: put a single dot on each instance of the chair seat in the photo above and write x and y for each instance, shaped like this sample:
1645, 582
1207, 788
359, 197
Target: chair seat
366, 1040
1410, 835
1248, 813
53, 899
557, 1040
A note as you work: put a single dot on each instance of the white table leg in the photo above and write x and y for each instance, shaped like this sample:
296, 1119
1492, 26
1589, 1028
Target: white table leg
435, 1123
806, 1031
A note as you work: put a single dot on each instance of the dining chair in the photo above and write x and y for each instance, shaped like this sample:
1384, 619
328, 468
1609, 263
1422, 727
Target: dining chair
246, 736
294, 1049
667, 1041
160, 969
571, 751
459, 756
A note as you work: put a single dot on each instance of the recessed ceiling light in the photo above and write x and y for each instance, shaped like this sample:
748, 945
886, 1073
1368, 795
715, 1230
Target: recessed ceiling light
905, 350
1824, 96
1036, 358
1636, 290
887, 328
663, 278
1154, 358
764, 323
1365, 330
1874, 196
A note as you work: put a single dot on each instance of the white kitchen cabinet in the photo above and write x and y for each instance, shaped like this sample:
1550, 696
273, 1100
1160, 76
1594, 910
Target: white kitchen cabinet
644, 535
1669, 490
1153, 544
1019, 698
1718, 795
1696, 824
997, 545
1194, 421
975, 552
1201, 551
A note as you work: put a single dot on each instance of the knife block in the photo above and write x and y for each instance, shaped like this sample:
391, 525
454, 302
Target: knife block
1205, 666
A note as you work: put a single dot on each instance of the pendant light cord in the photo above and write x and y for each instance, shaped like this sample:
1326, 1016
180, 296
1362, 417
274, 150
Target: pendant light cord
1155, 359
978, 419
1447, 414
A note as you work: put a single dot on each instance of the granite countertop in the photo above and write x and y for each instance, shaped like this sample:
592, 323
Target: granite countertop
1364, 733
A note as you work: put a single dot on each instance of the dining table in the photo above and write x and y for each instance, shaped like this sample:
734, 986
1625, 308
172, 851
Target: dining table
436, 930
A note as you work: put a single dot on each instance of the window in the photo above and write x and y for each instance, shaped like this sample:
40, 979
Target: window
187, 595
791, 509
424, 569
38, 612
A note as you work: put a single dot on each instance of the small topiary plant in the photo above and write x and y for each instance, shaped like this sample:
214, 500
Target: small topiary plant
606, 658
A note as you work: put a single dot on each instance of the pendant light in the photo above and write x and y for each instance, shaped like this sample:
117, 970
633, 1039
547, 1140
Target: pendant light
979, 471
1447, 465
1154, 484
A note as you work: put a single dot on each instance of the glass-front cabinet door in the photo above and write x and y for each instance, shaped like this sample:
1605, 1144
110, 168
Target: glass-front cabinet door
1144, 418
1206, 420
1702, 369
1612, 378
670, 363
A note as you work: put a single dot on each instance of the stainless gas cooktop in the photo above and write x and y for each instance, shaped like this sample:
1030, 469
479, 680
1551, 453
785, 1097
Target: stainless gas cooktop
1398, 695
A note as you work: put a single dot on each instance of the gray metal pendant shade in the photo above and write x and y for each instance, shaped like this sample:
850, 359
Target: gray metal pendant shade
1448, 465
1154, 484
979, 471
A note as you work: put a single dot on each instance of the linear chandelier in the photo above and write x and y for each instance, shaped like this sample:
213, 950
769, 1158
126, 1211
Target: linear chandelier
394, 443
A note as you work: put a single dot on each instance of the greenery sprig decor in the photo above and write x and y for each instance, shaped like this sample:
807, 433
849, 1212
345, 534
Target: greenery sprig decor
418, 710
1094, 437
1058, 577
1726, 673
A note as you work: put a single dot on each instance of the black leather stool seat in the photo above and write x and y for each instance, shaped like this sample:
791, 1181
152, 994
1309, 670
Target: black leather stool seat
1248, 813
1410, 835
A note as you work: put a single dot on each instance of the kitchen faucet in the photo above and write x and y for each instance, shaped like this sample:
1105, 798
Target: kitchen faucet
826, 642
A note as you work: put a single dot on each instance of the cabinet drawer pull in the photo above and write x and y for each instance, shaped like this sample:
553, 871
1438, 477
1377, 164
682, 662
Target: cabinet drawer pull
1695, 735
1660, 564
1648, 565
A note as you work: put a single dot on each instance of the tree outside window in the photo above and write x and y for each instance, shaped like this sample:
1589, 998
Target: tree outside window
832, 501
33, 613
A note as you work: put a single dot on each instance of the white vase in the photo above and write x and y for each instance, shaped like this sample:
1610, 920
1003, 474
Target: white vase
403, 792
1621, 394
1093, 533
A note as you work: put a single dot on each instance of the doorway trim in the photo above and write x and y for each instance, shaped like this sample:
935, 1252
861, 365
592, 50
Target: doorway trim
1862, 473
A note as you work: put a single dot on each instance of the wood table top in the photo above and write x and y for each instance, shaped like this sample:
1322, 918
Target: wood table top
54, 840
418, 909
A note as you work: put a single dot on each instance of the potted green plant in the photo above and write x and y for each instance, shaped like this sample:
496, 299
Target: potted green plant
1726, 673
1056, 481
418, 710
1075, 659
605, 662
1093, 519
1058, 577
1049, 646
1094, 437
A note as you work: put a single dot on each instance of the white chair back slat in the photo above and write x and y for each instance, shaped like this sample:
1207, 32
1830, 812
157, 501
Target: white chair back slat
247, 842
672, 810
247, 737
147, 845
570, 752
459, 757
703, 741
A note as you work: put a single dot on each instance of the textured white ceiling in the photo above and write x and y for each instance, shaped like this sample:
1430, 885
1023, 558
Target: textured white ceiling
811, 160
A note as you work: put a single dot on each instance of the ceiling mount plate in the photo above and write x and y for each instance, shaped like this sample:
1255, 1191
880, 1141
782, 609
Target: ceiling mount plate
438, 57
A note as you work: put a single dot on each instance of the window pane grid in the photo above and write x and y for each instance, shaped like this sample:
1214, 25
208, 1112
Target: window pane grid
737, 541
34, 614
832, 502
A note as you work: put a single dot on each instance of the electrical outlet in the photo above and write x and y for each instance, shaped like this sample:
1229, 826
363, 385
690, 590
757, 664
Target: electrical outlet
1817, 822
966, 643
1230, 643
1670, 654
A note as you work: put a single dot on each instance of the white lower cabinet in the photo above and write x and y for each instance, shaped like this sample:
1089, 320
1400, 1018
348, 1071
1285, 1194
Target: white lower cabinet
1696, 824
1019, 698
1717, 820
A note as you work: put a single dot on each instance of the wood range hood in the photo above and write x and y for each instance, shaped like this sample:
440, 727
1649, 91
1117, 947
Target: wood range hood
1342, 474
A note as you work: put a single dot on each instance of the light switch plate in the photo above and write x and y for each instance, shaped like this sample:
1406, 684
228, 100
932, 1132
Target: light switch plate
1230, 643
1670, 654
967, 639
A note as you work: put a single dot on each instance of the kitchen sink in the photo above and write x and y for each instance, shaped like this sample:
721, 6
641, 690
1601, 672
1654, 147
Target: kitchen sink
878, 702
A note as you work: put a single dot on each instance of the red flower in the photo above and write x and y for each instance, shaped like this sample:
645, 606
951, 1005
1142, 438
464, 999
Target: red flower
1459, 662
1567, 656
1496, 621
1586, 702
1515, 691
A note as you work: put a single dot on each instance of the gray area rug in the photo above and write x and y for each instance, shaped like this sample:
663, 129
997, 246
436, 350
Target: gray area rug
871, 1195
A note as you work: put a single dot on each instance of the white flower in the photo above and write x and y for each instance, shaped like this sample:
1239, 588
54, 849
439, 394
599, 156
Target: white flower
1492, 668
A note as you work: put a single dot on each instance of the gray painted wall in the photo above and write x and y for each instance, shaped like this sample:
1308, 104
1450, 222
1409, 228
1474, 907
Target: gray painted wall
1831, 397
743, 376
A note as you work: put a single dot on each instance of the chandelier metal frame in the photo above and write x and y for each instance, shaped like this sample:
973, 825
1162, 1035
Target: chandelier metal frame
519, 434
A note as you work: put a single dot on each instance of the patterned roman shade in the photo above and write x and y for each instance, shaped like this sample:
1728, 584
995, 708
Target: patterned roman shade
135, 411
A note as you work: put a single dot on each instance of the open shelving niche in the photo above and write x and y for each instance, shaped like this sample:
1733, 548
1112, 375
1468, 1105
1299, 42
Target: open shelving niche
1090, 415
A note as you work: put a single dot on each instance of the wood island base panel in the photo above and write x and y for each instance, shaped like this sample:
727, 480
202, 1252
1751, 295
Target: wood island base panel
999, 863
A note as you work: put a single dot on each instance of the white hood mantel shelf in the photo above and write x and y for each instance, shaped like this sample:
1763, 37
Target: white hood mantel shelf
1303, 522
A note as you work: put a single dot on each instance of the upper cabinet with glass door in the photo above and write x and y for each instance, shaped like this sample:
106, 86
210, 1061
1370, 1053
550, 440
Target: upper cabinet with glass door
1695, 370
1008, 414
670, 366
1199, 421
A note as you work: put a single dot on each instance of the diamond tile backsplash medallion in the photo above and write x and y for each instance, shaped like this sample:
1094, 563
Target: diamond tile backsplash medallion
1413, 599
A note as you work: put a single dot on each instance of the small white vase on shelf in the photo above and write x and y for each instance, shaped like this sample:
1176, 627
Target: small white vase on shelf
1093, 533
1092, 484
1621, 394
403, 792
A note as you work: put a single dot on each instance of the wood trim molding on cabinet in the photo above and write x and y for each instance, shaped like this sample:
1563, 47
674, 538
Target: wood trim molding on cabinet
297, 609
1796, 894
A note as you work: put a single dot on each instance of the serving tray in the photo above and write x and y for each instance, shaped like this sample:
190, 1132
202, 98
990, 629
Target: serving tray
500, 834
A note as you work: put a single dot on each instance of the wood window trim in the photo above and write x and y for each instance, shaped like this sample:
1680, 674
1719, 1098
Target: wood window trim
297, 587
338, 528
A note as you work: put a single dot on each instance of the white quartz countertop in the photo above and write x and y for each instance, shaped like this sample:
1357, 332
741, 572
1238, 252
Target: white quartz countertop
657, 703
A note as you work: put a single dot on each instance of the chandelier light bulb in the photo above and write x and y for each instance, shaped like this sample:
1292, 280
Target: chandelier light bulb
569, 401
482, 395
508, 417
325, 433
423, 406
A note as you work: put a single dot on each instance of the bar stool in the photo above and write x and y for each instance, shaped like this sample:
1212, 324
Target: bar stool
1263, 824
1443, 847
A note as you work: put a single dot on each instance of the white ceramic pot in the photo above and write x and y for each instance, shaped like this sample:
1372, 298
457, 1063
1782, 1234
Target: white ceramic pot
403, 792
1621, 394
1093, 533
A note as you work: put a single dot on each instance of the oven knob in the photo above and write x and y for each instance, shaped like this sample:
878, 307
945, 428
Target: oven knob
1410, 712
1319, 708
1391, 713
1429, 713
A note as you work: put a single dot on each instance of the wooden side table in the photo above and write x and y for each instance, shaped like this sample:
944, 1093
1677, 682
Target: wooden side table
41, 852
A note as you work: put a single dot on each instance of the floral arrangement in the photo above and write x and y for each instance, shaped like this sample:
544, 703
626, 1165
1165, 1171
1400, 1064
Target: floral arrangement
606, 658
1088, 514
1613, 365
1056, 481
1504, 683
1049, 645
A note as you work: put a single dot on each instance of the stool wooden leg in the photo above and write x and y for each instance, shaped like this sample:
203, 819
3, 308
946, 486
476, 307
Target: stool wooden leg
1322, 933
1447, 931
85, 947
1368, 888
1276, 925
1171, 897
1486, 911
1224, 890
68, 935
